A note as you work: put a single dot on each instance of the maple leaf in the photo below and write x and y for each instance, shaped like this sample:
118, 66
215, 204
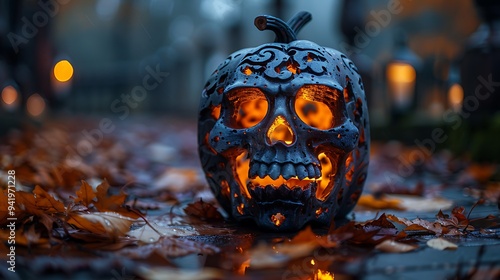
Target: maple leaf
203, 210
112, 203
85, 195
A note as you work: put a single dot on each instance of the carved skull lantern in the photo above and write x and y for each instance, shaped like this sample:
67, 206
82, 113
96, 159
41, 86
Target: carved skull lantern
283, 131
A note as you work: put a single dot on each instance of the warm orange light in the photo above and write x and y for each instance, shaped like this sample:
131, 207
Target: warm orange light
311, 105
247, 71
323, 275
292, 68
226, 191
249, 107
241, 270
327, 173
240, 208
324, 182
278, 219
216, 111
242, 168
456, 96
280, 131
35, 105
319, 211
401, 81
9, 95
63, 71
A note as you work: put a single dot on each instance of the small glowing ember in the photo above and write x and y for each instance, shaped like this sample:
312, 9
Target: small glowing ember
240, 208
247, 71
292, 68
319, 211
278, 219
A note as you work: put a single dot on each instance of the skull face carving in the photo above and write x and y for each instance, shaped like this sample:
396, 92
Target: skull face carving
283, 131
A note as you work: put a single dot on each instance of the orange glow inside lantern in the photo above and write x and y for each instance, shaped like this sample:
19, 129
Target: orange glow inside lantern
455, 97
401, 79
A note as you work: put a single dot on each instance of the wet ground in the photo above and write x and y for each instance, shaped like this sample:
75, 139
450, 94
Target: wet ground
155, 163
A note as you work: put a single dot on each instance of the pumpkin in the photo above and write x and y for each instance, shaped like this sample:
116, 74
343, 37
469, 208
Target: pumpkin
283, 131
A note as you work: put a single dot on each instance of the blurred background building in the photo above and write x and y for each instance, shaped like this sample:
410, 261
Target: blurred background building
60, 57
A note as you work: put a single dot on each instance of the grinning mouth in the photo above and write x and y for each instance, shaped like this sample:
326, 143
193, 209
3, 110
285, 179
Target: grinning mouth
268, 182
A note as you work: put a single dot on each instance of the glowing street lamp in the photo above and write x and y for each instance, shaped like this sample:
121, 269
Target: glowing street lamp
401, 74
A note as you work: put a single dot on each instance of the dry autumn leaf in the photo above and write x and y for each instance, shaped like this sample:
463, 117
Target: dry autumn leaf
108, 223
203, 210
151, 232
112, 203
85, 195
391, 246
441, 244
382, 202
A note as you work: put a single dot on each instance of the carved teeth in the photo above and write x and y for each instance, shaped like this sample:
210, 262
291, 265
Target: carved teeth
274, 171
288, 171
271, 194
301, 171
254, 169
262, 170
310, 171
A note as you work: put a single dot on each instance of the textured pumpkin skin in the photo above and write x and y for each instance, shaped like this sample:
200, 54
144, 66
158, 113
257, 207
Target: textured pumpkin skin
279, 71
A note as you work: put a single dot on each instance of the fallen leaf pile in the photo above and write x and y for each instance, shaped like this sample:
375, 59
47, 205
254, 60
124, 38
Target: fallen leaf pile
91, 216
139, 195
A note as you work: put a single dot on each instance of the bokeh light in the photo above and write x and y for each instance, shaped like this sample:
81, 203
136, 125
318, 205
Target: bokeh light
456, 97
9, 96
401, 80
35, 105
63, 71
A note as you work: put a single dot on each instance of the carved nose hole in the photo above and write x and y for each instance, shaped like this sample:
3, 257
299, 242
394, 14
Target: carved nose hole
280, 131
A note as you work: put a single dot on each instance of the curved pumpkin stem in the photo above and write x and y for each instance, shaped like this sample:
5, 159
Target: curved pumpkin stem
284, 34
298, 21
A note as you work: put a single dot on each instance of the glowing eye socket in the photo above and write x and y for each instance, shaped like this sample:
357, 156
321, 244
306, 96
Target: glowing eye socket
247, 107
317, 106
